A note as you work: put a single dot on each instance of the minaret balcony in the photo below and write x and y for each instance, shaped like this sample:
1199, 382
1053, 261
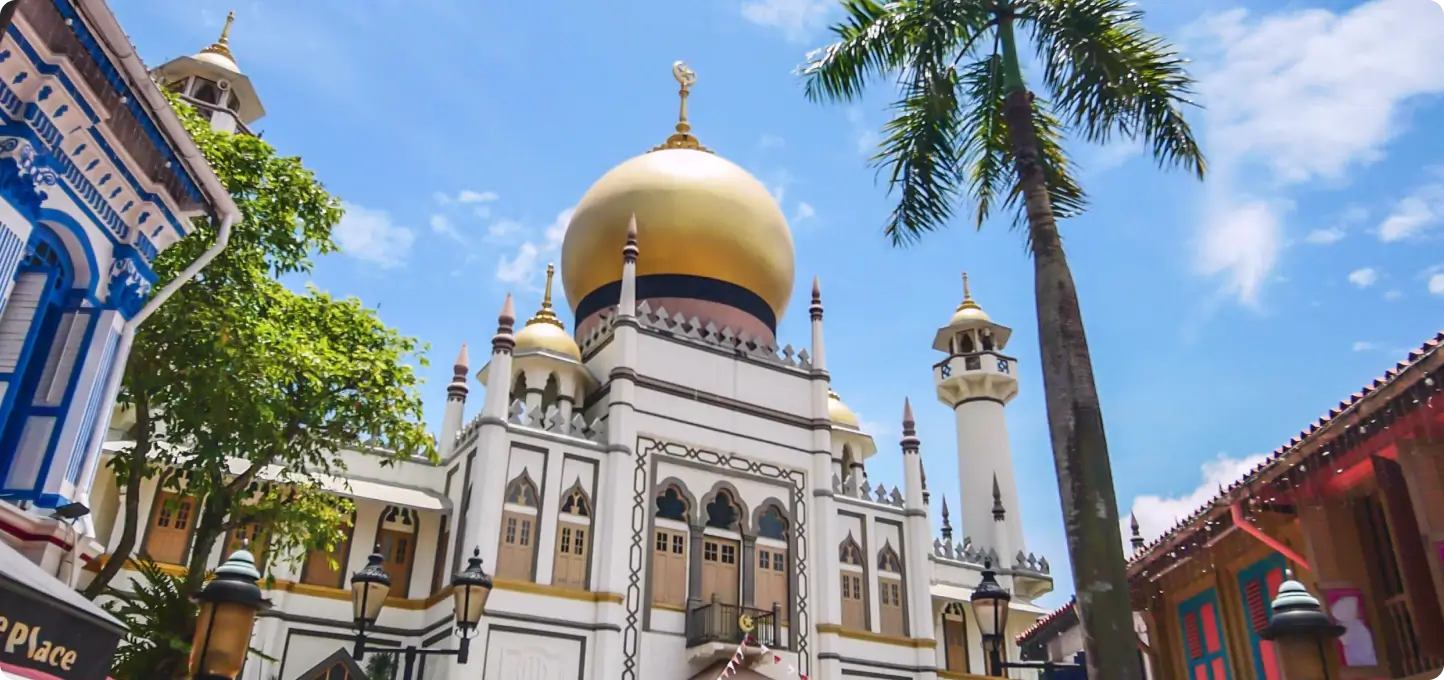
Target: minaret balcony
715, 629
986, 374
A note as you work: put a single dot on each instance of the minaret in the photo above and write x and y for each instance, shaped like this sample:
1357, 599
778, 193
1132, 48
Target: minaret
1137, 540
211, 81
455, 404
483, 515
977, 380
826, 587
620, 468
917, 567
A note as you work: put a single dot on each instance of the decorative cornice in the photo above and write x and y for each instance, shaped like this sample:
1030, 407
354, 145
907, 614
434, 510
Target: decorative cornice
869, 636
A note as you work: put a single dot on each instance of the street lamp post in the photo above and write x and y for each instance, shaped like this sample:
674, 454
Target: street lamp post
469, 591
229, 604
1301, 630
990, 609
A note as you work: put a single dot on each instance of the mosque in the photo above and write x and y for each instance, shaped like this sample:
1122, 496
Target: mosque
658, 478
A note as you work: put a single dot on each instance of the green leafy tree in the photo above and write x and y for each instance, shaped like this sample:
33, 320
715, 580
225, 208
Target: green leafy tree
245, 393
963, 122
381, 667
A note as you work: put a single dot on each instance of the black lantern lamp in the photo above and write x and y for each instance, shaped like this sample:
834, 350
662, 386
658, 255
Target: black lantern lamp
368, 595
469, 591
229, 604
1300, 627
990, 609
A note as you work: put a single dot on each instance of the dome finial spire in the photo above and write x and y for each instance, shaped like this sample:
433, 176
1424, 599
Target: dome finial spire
222, 45
968, 301
683, 138
545, 314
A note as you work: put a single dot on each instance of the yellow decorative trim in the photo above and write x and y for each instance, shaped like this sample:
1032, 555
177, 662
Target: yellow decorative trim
553, 591
668, 607
869, 636
955, 675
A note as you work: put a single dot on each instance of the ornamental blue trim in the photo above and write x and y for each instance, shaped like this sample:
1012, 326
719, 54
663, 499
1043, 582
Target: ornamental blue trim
112, 76
12, 104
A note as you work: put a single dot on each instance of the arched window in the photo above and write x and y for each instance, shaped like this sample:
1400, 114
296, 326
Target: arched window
669, 550
574, 528
955, 637
771, 570
397, 541
518, 388
854, 600
519, 528
36, 326
889, 591
550, 392
720, 573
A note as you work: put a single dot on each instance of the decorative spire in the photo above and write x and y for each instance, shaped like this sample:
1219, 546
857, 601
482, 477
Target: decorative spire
947, 523
463, 361
1137, 540
545, 314
998, 511
458, 389
630, 251
816, 307
910, 439
968, 302
505, 322
222, 45
683, 138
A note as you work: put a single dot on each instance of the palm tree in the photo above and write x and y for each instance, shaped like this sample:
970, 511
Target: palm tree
964, 117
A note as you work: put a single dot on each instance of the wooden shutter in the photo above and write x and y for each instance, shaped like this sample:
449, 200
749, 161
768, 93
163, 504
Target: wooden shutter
1203, 637
678, 571
1413, 556
1259, 585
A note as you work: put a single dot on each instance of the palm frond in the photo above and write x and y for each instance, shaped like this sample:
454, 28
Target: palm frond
872, 42
1108, 76
921, 151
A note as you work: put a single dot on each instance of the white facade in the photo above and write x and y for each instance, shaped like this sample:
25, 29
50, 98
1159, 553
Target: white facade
637, 488
97, 178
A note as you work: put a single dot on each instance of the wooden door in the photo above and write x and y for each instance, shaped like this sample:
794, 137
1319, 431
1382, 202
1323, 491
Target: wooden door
719, 570
889, 595
955, 643
569, 569
669, 568
854, 605
396, 552
318, 569
514, 560
770, 584
251, 536
170, 532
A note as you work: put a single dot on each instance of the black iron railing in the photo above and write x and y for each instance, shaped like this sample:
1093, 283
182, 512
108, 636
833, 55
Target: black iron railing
722, 622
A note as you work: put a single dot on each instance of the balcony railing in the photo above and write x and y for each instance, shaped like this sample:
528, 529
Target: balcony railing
722, 622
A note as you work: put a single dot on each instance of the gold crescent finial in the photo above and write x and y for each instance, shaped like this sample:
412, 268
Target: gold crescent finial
683, 138
545, 314
222, 45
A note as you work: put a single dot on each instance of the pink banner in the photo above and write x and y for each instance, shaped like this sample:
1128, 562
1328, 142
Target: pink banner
1356, 645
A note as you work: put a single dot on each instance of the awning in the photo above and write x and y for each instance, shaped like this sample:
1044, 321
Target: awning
80, 636
351, 488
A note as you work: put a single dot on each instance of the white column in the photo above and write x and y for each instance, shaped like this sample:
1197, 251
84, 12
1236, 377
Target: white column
455, 412
982, 429
822, 563
551, 498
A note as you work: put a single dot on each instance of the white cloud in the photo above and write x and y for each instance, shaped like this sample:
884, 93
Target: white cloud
465, 196
1364, 278
1241, 243
805, 212
503, 228
1323, 237
370, 235
797, 19
1393, 295
443, 225
1436, 284
1157, 514
1414, 214
522, 267
1364, 346
1298, 96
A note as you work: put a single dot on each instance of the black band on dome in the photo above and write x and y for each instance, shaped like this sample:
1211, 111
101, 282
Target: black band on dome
684, 286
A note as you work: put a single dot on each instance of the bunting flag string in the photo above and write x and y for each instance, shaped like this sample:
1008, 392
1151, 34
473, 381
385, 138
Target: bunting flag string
746, 624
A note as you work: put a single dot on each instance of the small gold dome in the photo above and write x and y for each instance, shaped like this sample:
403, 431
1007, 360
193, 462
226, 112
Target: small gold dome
545, 331
219, 52
707, 229
839, 413
969, 309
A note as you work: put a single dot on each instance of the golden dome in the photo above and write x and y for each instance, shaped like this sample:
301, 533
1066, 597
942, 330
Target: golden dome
839, 413
707, 229
969, 309
545, 331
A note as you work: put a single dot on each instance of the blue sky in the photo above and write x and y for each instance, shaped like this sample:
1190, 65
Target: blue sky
1223, 315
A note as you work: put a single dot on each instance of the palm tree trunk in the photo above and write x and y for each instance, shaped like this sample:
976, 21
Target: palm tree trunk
1075, 417
134, 477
